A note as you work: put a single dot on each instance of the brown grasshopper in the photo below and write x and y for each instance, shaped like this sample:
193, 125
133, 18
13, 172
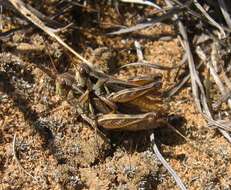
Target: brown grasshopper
99, 93
129, 93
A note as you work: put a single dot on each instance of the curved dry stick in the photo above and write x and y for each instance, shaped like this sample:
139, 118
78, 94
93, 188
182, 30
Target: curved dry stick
165, 163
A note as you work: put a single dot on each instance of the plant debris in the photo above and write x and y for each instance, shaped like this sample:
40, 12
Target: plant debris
87, 93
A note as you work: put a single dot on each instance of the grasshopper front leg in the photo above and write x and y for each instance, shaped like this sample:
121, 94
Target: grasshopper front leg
88, 115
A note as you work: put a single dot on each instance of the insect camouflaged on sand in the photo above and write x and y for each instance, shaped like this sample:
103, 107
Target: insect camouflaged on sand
102, 109
97, 95
107, 103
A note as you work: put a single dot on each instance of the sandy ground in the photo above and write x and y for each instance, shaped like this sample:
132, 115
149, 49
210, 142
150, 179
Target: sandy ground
59, 151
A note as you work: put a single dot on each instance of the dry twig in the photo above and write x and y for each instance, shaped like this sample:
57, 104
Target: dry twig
165, 164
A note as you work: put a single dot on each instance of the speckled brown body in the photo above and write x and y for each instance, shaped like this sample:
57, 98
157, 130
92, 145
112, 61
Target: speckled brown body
127, 122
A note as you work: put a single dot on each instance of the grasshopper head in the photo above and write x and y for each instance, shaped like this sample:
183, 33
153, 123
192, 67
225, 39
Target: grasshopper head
82, 74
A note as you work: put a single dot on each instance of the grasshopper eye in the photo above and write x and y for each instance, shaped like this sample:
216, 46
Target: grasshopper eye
60, 80
83, 70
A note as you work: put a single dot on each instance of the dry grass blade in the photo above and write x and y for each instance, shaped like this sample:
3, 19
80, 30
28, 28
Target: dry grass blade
216, 77
195, 80
223, 126
225, 12
1, 25
142, 62
211, 20
150, 65
196, 85
226, 135
211, 66
43, 17
21, 7
200, 99
140, 26
142, 3
139, 52
165, 164
178, 86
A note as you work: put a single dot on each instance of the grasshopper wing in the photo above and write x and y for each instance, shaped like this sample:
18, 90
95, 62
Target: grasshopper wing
130, 94
127, 122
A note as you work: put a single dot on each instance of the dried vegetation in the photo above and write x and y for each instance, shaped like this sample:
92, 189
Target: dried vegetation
97, 94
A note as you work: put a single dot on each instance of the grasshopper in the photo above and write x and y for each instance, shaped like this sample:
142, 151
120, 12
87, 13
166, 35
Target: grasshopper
128, 94
99, 95
64, 82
